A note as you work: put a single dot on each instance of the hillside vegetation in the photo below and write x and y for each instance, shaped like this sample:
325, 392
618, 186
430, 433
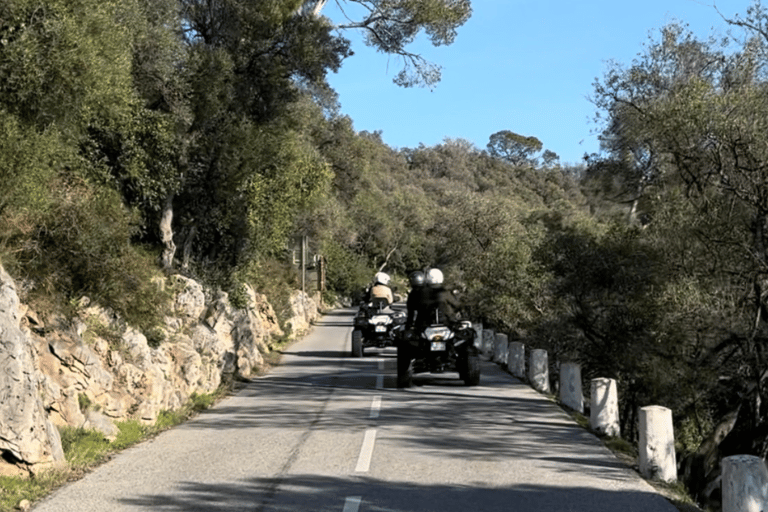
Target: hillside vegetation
147, 136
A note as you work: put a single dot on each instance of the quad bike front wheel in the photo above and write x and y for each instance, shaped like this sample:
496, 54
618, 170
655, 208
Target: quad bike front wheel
470, 374
404, 368
357, 343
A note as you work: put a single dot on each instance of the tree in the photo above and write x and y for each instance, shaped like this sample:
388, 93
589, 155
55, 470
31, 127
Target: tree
514, 148
636, 162
689, 120
271, 49
390, 26
550, 158
250, 64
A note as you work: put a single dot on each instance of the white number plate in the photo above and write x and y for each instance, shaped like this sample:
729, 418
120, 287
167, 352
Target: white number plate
381, 328
438, 345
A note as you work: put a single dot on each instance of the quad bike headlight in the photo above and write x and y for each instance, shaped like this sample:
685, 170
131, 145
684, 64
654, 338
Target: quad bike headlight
381, 320
438, 333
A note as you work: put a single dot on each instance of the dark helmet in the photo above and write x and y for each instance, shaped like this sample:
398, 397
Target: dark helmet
416, 278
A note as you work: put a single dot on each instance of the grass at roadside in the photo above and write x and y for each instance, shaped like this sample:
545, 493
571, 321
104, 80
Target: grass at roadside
86, 449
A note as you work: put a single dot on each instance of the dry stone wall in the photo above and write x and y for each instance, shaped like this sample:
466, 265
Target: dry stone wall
53, 366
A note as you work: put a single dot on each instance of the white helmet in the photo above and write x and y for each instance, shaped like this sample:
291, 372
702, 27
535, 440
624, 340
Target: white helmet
382, 278
434, 277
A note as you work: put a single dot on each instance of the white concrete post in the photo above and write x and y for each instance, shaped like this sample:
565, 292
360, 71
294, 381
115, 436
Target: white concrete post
604, 407
744, 484
488, 337
571, 394
539, 370
516, 359
657, 444
501, 345
478, 327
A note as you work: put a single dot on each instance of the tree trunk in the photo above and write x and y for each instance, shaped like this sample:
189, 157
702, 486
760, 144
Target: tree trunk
166, 234
188, 247
315, 9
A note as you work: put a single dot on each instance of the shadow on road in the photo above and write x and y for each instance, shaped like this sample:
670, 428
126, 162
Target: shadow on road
328, 494
527, 427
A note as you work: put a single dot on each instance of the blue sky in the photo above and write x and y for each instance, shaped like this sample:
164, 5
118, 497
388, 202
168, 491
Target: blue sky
522, 65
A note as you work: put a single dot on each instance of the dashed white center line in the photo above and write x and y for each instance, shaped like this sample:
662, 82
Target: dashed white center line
379, 381
366, 451
375, 407
381, 364
352, 504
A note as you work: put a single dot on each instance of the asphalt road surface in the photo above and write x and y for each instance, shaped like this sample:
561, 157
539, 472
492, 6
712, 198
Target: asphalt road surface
328, 432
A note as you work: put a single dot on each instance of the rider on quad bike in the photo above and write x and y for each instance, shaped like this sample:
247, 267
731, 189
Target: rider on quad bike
440, 341
376, 324
418, 297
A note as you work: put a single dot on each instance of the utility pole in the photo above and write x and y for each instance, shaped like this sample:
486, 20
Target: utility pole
303, 263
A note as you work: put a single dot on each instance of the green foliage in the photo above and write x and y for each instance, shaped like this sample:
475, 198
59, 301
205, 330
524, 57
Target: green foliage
131, 432
348, 272
81, 246
682, 138
64, 63
16, 489
617, 444
138, 158
238, 296
293, 178
167, 419
390, 27
84, 402
29, 164
195, 404
83, 448
201, 402
512, 147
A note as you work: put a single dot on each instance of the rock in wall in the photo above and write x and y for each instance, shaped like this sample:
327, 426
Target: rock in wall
27, 437
52, 368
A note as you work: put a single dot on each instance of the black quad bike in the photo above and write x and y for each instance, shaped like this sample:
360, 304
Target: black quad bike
376, 325
439, 348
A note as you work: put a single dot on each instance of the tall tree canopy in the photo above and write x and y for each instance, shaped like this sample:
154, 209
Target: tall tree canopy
514, 148
685, 133
390, 26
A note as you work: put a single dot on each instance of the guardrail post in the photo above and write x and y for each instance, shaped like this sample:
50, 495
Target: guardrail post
488, 337
516, 359
478, 327
744, 484
539, 369
570, 386
500, 348
604, 407
657, 444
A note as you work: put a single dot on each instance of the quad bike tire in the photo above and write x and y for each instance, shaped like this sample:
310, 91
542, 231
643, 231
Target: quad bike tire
404, 368
357, 344
470, 374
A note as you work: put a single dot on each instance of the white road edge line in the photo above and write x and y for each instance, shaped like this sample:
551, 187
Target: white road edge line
366, 451
375, 407
352, 504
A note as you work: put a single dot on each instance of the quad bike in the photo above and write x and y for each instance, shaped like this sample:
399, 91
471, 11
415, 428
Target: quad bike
376, 325
439, 348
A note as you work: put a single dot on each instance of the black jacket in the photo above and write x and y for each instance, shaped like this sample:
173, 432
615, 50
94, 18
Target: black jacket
436, 305
418, 300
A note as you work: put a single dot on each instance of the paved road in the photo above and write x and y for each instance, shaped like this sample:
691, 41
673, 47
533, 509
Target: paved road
328, 432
